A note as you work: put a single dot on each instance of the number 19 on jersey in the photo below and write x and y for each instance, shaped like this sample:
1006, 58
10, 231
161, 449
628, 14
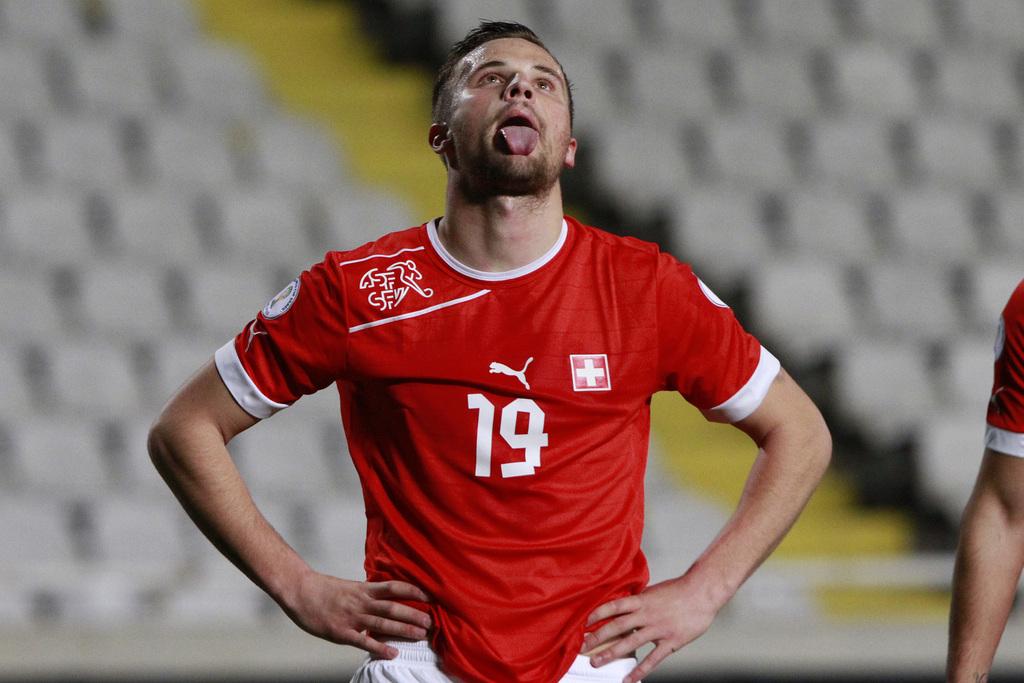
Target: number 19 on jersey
530, 442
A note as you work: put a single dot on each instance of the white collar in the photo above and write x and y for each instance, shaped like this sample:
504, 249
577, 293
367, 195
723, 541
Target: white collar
495, 276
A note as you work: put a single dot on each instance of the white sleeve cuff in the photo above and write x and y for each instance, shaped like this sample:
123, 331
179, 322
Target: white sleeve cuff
241, 386
749, 397
1010, 443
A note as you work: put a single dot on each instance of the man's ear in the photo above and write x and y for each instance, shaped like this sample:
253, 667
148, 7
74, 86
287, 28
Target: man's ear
438, 137
570, 154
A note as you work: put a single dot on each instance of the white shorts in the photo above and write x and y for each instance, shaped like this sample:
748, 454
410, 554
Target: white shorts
417, 663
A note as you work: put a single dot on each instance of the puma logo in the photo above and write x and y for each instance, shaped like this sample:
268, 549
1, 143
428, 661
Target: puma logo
252, 334
502, 369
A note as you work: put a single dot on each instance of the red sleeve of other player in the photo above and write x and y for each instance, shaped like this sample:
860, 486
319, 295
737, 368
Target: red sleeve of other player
705, 354
1005, 428
295, 346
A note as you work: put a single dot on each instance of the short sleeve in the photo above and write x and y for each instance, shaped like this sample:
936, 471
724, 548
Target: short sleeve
704, 352
295, 346
1005, 419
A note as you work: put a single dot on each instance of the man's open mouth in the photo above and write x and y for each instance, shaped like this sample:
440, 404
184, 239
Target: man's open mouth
517, 135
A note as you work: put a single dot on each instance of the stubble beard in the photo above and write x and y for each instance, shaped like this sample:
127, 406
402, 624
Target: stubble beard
486, 172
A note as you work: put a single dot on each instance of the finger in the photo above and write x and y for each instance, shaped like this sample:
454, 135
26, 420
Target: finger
389, 627
399, 612
363, 641
653, 659
396, 589
610, 609
612, 630
627, 645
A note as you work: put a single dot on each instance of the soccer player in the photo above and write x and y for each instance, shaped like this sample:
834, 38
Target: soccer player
495, 367
991, 552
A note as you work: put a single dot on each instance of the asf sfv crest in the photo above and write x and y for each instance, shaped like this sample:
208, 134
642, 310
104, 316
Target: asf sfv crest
391, 284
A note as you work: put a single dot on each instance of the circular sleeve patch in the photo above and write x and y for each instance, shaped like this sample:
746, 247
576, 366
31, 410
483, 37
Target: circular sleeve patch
284, 299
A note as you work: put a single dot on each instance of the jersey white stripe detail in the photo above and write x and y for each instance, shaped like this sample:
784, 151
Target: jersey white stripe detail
241, 386
1004, 441
487, 276
367, 258
414, 314
749, 397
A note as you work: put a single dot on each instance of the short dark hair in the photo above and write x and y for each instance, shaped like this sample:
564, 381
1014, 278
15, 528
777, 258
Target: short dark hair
441, 100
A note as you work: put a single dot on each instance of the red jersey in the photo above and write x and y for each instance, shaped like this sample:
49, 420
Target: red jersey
499, 422
1005, 429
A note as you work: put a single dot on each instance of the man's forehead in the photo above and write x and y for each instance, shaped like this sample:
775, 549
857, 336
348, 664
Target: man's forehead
508, 50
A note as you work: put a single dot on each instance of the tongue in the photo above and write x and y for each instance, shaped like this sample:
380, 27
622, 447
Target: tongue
520, 139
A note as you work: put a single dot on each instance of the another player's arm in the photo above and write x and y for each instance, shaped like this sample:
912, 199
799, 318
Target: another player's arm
988, 566
795, 448
187, 444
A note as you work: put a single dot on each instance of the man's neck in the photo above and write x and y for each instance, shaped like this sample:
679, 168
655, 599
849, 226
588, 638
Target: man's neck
501, 233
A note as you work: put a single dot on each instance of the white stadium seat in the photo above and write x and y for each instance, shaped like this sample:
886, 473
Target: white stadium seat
224, 299
884, 388
640, 165
988, 22
949, 451
699, 22
264, 225
215, 594
156, 224
931, 224
16, 398
339, 531
976, 83
140, 536
609, 22
1009, 219
454, 19
177, 358
854, 153
126, 299
83, 151
830, 224
912, 300
969, 373
297, 153
114, 78
28, 307
798, 21
23, 80
35, 533
802, 307
871, 80
992, 283
285, 459
95, 378
10, 164
151, 20
957, 153
905, 22
670, 84
47, 226
190, 152
708, 224
43, 20
775, 81
749, 150
215, 79
357, 215
63, 462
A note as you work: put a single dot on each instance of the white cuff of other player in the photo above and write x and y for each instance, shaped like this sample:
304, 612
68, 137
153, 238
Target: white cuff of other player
241, 386
1010, 443
749, 397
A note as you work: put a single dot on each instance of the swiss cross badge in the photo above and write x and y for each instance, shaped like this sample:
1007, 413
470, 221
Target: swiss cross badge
590, 372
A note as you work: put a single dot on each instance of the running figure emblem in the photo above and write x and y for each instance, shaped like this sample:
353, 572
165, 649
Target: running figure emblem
392, 284
502, 369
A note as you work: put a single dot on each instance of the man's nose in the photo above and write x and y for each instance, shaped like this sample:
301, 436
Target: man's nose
518, 87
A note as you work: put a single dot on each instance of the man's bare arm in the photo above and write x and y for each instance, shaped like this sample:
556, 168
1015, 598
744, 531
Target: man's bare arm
988, 566
795, 448
187, 444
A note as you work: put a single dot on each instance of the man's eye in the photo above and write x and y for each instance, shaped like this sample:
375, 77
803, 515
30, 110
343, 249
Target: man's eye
544, 85
492, 78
